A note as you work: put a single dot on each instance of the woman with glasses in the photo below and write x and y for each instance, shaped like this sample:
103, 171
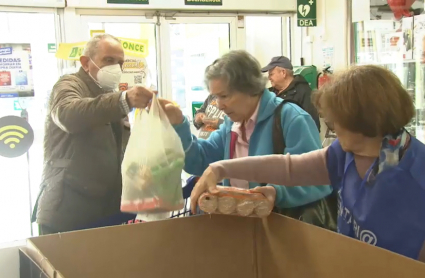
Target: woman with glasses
249, 128
375, 165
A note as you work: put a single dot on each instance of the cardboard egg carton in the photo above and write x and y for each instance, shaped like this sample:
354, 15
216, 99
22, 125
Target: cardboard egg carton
235, 201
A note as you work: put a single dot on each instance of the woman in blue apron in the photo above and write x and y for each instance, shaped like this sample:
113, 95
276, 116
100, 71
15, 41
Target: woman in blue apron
375, 165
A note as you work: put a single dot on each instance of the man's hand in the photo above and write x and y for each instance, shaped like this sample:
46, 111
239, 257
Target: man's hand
210, 122
208, 182
174, 114
199, 118
139, 97
126, 122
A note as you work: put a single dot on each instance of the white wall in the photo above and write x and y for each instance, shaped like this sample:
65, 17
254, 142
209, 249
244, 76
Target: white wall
34, 3
331, 30
361, 10
263, 37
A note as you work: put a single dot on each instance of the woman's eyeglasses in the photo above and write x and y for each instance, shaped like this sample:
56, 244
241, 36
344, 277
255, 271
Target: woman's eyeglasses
330, 125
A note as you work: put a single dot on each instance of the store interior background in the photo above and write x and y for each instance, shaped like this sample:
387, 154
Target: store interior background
263, 34
172, 46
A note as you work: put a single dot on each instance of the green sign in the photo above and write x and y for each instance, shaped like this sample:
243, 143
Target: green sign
143, 2
204, 2
306, 13
195, 106
74, 52
51, 47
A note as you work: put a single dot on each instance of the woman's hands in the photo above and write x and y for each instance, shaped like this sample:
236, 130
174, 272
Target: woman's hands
268, 191
211, 122
199, 118
174, 114
208, 182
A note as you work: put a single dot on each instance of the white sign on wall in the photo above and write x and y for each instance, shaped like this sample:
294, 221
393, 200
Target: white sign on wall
35, 3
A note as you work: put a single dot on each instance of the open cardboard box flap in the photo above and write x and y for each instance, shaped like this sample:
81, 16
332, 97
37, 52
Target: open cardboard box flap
214, 246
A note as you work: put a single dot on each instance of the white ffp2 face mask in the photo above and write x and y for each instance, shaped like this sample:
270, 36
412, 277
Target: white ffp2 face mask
109, 77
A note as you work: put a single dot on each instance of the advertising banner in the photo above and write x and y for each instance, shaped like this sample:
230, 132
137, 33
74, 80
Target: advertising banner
132, 47
16, 76
135, 72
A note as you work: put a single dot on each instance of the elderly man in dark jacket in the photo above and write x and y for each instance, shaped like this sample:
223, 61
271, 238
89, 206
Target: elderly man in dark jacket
288, 86
83, 140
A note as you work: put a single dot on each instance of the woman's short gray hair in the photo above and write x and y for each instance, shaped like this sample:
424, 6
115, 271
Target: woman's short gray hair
241, 71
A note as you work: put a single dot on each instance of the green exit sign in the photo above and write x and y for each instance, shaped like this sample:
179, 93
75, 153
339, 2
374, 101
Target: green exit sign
143, 2
306, 13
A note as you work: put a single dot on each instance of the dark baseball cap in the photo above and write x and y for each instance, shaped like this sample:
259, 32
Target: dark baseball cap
280, 61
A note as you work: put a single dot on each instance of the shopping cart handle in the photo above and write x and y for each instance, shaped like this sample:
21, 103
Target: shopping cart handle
190, 184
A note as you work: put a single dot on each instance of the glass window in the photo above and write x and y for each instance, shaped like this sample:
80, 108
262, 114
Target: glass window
193, 48
397, 45
20, 184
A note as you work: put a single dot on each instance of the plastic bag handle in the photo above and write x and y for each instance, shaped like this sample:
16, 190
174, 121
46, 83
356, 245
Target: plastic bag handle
155, 102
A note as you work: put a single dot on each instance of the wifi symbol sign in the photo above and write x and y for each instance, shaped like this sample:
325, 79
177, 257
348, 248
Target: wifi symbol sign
16, 136
10, 135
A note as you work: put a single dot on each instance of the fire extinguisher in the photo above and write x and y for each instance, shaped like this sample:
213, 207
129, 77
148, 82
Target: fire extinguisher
323, 77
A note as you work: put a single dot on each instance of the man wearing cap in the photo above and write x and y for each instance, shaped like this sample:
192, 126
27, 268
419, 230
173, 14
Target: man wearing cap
289, 86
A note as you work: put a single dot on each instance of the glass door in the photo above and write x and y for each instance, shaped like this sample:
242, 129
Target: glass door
179, 50
39, 70
190, 45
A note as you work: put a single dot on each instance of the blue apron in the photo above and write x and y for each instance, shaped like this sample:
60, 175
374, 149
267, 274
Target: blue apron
388, 211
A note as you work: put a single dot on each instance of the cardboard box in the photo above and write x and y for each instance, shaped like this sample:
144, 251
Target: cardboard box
213, 246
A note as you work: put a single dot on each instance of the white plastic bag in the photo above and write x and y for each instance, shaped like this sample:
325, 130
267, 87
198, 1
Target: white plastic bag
152, 165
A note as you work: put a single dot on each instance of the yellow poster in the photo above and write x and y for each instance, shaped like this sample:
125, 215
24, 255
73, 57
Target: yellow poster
96, 32
132, 47
70, 51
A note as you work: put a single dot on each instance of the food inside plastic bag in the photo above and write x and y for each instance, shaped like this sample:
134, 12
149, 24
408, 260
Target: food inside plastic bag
152, 165
235, 201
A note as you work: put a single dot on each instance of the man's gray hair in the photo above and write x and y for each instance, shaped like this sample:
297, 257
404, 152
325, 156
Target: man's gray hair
240, 70
91, 47
289, 72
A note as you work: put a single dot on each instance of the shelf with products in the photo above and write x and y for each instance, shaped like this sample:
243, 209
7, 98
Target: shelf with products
400, 47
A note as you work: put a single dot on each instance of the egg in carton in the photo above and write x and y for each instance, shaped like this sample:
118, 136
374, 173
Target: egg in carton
234, 201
